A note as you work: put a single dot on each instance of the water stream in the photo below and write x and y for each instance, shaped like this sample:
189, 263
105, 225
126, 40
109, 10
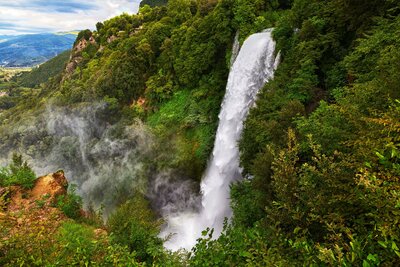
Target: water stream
253, 67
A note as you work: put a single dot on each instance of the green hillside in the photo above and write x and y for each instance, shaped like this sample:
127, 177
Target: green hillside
42, 73
139, 100
16, 83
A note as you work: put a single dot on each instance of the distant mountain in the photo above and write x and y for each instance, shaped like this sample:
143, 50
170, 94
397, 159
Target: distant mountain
33, 49
4, 38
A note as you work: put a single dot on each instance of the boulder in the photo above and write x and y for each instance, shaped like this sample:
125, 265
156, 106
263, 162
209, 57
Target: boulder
51, 185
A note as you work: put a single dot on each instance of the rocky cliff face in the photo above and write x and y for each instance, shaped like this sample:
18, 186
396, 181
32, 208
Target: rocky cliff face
76, 54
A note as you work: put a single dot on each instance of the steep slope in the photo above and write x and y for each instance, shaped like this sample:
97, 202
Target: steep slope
44, 225
42, 73
321, 148
133, 119
253, 67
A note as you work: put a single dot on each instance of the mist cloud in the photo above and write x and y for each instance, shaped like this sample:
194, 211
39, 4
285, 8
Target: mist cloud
107, 162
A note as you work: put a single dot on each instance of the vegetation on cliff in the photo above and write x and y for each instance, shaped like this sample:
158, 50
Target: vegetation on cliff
43, 225
322, 145
320, 150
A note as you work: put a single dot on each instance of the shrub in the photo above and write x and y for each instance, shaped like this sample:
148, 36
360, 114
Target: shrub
78, 244
134, 225
70, 204
17, 173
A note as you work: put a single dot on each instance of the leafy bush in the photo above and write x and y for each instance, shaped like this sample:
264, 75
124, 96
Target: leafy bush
153, 3
17, 173
78, 246
134, 225
70, 204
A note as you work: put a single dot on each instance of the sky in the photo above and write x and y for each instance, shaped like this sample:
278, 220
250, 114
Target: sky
39, 16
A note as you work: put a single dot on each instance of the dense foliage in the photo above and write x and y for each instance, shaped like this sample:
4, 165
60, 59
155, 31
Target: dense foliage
60, 243
17, 173
46, 238
153, 3
43, 72
320, 151
322, 145
70, 204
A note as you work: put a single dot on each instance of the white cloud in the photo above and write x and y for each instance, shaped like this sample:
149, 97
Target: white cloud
32, 16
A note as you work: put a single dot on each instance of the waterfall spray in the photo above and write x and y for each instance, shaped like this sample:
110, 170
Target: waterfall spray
253, 67
105, 161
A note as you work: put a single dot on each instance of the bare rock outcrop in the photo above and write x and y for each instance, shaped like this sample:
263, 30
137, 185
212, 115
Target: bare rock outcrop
46, 189
52, 185
76, 55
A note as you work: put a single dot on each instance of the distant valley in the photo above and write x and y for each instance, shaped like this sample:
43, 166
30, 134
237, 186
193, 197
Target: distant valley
33, 49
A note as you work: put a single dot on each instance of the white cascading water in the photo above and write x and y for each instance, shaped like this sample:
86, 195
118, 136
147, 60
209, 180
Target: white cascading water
253, 67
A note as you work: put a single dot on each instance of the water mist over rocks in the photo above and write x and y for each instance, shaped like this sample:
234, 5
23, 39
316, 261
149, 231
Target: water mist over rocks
254, 66
171, 194
110, 158
105, 161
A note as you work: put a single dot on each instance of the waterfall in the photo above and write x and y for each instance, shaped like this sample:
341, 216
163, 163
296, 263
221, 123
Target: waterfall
253, 67
235, 49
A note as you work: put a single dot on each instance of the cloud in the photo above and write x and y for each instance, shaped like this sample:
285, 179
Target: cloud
51, 6
37, 16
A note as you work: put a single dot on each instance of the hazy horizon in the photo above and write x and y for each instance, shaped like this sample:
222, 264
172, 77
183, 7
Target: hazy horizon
53, 16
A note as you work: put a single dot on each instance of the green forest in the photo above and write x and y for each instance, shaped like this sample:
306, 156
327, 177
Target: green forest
320, 150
